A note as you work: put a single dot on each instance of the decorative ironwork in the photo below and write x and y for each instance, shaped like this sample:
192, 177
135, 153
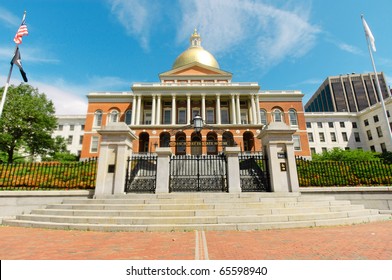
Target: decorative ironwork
198, 173
141, 173
254, 175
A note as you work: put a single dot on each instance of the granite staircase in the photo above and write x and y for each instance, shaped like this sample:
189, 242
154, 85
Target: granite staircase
197, 211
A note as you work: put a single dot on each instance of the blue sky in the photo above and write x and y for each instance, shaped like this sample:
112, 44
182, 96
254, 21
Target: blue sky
79, 46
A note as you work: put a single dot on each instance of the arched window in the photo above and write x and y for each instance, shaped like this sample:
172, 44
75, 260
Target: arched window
293, 117
164, 139
128, 117
97, 118
113, 116
263, 116
212, 143
277, 115
227, 139
180, 143
144, 142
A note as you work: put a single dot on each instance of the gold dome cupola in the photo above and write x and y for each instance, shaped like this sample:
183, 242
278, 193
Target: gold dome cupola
195, 53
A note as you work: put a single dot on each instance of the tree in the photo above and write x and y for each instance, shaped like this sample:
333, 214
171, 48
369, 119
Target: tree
27, 122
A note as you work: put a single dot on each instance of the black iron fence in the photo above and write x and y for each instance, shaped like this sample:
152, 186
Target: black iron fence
254, 173
198, 173
48, 175
343, 173
141, 173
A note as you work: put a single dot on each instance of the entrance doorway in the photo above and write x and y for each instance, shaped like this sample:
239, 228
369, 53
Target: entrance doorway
196, 144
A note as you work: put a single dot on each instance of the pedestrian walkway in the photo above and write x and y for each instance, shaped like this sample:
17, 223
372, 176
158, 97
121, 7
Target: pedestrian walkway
372, 241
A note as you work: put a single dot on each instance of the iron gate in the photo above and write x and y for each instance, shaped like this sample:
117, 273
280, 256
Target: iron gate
141, 173
254, 174
198, 173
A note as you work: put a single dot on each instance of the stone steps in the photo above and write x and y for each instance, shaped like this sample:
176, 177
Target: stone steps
199, 211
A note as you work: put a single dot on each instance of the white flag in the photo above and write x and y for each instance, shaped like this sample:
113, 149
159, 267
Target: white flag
369, 34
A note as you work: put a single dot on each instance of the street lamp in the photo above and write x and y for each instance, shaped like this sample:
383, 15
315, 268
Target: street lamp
198, 123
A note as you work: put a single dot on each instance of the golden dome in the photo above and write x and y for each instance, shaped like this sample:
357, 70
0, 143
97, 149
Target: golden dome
195, 53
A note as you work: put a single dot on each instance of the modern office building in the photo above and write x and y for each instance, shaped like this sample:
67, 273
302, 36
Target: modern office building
161, 113
346, 113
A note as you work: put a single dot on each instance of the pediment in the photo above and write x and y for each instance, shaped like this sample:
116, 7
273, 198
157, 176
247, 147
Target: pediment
195, 69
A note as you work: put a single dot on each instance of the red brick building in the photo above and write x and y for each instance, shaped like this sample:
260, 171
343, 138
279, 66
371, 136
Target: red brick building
161, 113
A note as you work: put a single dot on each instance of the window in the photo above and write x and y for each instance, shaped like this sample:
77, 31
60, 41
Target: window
388, 114
94, 144
312, 150
113, 116
324, 149
225, 116
366, 122
81, 139
356, 137
379, 131
308, 125
72, 127
310, 137
319, 124
333, 137
69, 140
182, 116
82, 127
322, 137
210, 118
293, 117
147, 117
263, 117
195, 111
330, 124
244, 117
297, 142
344, 135
98, 118
277, 115
128, 117
342, 124
354, 125
60, 127
383, 147
372, 148
369, 135
167, 116
375, 118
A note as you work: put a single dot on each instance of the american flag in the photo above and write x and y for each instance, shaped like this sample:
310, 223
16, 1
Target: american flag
22, 31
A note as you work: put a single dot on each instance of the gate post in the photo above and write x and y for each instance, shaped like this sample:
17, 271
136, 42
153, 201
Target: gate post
163, 170
278, 145
233, 169
115, 147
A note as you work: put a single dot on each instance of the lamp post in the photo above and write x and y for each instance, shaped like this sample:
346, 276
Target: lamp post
198, 123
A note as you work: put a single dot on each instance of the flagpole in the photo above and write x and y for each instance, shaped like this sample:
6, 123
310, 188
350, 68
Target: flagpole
378, 88
9, 76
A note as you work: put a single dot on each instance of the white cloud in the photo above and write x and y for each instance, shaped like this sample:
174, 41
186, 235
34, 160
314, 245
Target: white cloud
350, 48
138, 17
8, 18
261, 33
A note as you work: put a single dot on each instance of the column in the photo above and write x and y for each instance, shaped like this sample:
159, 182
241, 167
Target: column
134, 105
238, 109
163, 169
258, 117
233, 114
159, 110
218, 108
153, 113
139, 109
116, 146
203, 106
174, 108
233, 169
188, 109
253, 109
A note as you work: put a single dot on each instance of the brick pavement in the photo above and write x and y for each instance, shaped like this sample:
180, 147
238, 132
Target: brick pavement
372, 241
